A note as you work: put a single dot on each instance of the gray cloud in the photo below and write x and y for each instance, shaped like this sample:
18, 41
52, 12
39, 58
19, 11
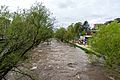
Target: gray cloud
96, 10
66, 4
68, 11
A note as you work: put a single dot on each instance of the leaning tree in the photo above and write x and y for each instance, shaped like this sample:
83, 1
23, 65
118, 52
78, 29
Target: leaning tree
20, 32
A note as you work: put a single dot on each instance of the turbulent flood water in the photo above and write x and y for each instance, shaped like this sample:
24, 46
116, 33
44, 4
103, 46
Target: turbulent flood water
59, 61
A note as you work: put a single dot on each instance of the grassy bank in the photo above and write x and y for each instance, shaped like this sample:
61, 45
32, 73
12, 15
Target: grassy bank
88, 51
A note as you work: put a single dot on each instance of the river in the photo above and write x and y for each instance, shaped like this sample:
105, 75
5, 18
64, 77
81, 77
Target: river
59, 61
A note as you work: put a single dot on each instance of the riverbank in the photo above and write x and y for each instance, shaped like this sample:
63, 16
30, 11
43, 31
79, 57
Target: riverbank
85, 48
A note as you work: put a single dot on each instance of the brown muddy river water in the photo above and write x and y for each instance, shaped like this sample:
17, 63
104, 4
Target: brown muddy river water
59, 61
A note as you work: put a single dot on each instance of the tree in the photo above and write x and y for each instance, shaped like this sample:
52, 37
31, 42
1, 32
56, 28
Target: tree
86, 26
78, 29
72, 32
27, 29
60, 34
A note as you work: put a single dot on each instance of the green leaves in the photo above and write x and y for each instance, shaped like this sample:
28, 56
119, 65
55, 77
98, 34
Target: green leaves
20, 34
60, 34
107, 43
71, 33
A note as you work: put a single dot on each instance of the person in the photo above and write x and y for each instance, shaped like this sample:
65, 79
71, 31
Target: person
84, 41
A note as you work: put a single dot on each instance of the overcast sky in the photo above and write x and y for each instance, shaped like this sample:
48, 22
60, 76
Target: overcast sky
70, 11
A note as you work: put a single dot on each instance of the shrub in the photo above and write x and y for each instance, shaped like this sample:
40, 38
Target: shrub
107, 43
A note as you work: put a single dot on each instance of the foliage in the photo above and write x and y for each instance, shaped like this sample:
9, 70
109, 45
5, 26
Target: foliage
78, 29
106, 43
83, 33
73, 32
60, 34
25, 30
70, 34
86, 26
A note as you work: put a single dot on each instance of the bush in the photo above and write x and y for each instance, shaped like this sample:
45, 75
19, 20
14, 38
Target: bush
107, 43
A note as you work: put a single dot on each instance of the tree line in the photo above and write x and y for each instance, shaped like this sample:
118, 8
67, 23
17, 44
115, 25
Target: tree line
72, 32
